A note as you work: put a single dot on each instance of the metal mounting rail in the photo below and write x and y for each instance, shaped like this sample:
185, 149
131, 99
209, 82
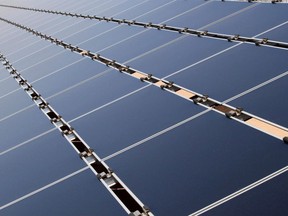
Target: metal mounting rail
131, 204
238, 114
181, 30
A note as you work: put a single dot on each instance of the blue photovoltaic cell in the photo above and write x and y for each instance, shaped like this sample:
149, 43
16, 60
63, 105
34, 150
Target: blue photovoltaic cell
13, 102
51, 64
98, 31
169, 10
198, 163
23, 66
81, 195
133, 119
53, 23
22, 126
266, 199
256, 20
141, 10
269, 102
118, 8
80, 71
102, 36
8, 44
94, 93
30, 167
20, 39
144, 42
29, 56
69, 30
178, 55
208, 13
3, 74
234, 71
7, 85
279, 34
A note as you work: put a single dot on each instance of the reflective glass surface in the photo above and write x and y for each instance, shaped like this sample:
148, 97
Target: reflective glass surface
254, 21
234, 71
33, 165
133, 119
20, 127
78, 195
177, 55
257, 103
266, 199
198, 163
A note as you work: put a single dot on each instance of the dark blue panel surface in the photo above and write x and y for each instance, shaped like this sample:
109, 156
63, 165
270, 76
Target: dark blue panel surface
94, 30
265, 200
140, 44
133, 119
269, 102
77, 26
33, 55
22, 126
140, 10
13, 43
94, 93
198, 163
178, 55
119, 7
279, 34
14, 102
51, 64
3, 74
8, 85
253, 21
35, 165
102, 35
69, 76
169, 10
234, 71
208, 13
80, 195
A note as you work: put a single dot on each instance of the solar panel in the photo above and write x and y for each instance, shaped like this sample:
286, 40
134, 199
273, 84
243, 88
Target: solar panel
174, 107
187, 167
267, 199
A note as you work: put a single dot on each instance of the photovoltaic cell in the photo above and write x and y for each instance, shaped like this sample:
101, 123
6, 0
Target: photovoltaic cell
7, 85
168, 11
72, 74
93, 94
113, 128
279, 34
206, 14
269, 102
20, 127
13, 102
79, 195
234, 71
96, 29
266, 199
198, 163
33, 165
177, 55
144, 42
254, 21
52, 64
141, 10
